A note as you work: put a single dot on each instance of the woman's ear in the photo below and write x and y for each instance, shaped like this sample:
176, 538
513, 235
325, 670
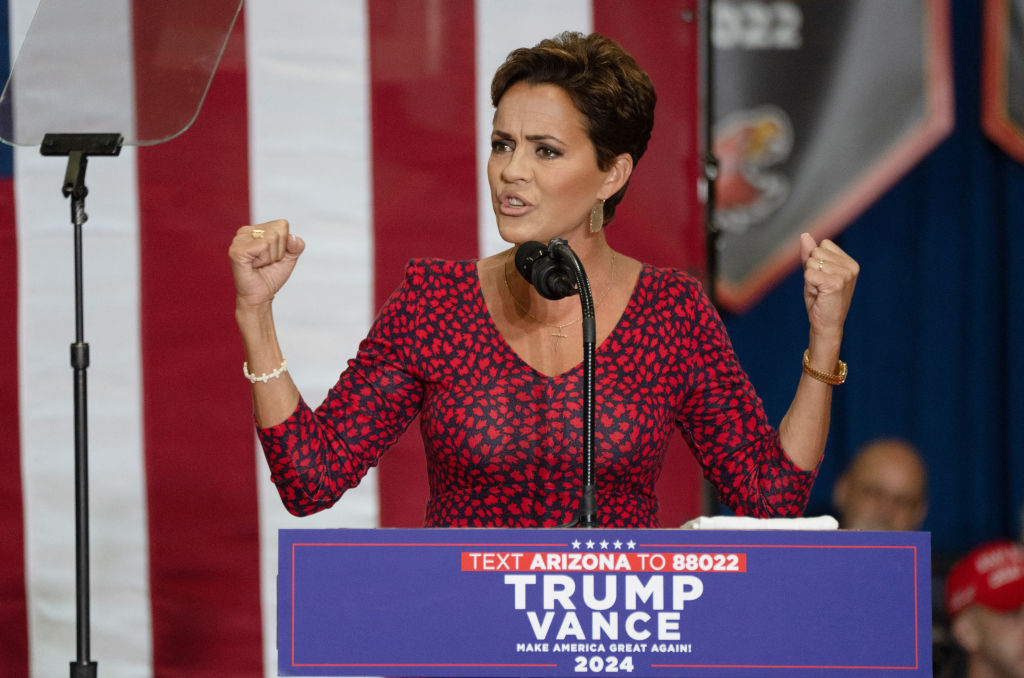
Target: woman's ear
617, 175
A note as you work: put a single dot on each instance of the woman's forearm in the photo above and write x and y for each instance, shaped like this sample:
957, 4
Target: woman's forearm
803, 431
274, 398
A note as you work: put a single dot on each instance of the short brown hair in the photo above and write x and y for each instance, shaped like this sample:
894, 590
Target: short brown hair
605, 84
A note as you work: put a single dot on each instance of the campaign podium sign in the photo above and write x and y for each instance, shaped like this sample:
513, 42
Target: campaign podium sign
571, 602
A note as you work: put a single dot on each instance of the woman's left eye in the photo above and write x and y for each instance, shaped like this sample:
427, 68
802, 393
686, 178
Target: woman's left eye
547, 152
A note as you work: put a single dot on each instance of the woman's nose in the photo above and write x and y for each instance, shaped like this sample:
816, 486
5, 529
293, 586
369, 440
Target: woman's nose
516, 167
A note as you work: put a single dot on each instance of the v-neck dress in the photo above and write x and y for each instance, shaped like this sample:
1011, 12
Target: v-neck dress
504, 442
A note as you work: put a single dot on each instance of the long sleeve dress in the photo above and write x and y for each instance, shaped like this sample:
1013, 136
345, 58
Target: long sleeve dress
504, 442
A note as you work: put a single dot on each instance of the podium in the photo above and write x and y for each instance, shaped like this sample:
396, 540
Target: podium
571, 602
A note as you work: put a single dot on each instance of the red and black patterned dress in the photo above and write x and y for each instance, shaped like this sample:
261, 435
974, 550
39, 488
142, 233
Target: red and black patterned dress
503, 441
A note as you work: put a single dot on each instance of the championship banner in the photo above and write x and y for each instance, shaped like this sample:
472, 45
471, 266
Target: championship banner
818, 107
493, 602
1002, 107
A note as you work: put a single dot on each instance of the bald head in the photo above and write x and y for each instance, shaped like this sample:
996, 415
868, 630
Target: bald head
884, 488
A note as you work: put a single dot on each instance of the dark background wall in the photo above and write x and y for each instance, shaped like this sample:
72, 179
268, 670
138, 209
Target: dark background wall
935, 339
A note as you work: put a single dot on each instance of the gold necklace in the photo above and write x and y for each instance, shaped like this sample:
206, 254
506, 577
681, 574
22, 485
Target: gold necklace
558, 333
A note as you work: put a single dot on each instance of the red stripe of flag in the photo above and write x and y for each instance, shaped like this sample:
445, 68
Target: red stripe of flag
13, 610
661, 220
199, 444
13, 605
424, 178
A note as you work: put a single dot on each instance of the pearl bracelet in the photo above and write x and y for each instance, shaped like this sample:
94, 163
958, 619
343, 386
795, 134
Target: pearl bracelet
266, 376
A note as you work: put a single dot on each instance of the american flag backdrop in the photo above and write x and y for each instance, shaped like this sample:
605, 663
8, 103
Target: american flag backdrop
365, 124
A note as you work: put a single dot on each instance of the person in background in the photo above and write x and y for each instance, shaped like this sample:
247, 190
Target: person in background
985, 603
884, 488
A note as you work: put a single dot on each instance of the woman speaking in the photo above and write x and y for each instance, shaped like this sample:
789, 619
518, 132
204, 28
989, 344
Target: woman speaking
495, 370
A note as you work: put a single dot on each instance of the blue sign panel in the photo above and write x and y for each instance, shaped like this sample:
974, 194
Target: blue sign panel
488, 602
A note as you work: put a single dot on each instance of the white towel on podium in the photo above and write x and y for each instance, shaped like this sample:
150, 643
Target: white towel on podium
747, 523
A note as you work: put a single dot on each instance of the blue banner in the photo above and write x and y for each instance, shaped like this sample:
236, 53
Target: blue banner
484, 602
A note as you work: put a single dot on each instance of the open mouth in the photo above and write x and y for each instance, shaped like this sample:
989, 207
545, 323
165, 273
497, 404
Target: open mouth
513, 203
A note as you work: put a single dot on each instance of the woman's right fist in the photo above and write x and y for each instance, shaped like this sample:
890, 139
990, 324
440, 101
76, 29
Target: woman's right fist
262, 258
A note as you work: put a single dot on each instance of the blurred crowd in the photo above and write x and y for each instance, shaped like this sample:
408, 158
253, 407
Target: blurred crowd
978, 597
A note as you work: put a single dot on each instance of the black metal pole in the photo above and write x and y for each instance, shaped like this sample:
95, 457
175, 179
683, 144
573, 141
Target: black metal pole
548, 269
588, 499
82, 667
709, 163
78, 148
705, 27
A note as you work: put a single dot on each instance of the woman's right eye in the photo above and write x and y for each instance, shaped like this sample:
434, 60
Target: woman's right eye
499, 146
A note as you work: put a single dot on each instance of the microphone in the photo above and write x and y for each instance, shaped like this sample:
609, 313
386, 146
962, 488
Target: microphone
550, 276
551, 270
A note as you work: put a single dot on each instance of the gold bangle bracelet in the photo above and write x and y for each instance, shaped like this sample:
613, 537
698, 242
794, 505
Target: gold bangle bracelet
831, 379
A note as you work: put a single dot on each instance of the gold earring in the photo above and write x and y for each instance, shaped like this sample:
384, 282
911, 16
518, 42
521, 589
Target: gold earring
597, 216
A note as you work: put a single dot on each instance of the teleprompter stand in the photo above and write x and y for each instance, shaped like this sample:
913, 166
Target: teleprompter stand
92, 67
78, 148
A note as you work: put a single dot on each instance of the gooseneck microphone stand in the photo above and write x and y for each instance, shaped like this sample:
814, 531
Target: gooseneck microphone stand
545, 268
78, 148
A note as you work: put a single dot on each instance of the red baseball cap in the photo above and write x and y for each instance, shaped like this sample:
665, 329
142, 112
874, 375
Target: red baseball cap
991, 575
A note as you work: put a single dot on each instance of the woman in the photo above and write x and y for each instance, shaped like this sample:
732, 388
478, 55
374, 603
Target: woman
494, 368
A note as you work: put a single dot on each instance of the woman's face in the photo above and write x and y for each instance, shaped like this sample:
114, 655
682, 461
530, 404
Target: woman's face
542, 170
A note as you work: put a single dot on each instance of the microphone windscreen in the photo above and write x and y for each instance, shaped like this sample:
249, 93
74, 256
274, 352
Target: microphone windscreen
549, 277
526, 256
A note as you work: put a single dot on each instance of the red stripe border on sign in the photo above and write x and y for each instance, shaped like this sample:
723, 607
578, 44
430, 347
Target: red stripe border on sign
911, 550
